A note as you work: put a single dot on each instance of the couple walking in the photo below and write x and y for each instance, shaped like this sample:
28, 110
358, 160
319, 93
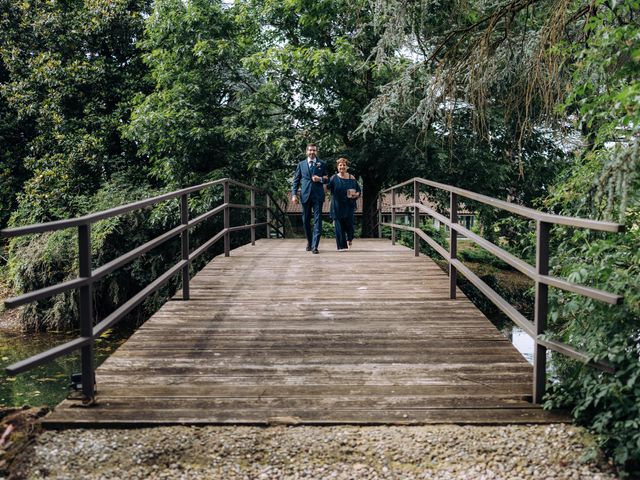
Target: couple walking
311, 178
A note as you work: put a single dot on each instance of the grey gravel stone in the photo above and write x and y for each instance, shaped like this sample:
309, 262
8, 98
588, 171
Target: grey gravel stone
441, 452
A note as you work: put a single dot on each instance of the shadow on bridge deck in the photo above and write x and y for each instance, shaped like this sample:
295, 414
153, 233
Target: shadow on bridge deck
274, 334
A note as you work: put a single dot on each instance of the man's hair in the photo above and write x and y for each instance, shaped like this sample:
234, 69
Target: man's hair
311, 145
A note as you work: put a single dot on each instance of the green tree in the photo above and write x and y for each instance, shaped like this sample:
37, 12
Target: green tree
71, 69
316, 81
12, 170
466, 83
193, 50
15, 133
69, 72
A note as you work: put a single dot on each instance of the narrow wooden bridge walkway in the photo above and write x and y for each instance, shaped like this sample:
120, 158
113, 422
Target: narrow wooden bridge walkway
274, 334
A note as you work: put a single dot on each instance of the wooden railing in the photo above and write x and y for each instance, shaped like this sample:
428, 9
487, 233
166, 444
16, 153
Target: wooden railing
275, 219
539, 274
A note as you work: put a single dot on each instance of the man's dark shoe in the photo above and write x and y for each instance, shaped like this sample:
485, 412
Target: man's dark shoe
308, 248
315, 250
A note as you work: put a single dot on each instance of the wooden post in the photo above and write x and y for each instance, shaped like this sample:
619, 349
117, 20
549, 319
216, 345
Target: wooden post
227, 245
86, 313
416, 219
393, 216
184, 219
453, 244
541, 310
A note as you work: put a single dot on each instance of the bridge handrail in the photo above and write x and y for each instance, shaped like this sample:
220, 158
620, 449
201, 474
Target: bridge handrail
539, 273
88, 332
517, 209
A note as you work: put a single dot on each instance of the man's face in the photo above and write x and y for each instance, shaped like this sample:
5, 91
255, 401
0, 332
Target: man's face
312, 152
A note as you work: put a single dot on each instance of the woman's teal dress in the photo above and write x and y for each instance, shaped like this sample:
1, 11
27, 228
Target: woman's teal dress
342, 208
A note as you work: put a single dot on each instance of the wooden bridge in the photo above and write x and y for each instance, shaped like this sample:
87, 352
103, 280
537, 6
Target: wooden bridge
273, 334
268, 333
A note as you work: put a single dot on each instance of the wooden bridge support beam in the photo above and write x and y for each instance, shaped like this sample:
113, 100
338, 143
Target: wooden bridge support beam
253, 217
268, 216
393, 216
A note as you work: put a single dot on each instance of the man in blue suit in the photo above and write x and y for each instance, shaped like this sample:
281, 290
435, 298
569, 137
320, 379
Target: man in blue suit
309, 177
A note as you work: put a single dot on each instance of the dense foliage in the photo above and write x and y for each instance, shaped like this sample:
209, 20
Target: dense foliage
317, 82
192, 50
71, 71
605, 184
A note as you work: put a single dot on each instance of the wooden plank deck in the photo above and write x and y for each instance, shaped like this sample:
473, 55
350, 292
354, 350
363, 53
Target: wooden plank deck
274, 334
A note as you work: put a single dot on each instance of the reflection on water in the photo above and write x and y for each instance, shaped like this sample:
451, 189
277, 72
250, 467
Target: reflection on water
525, 345
523, 342
47, 384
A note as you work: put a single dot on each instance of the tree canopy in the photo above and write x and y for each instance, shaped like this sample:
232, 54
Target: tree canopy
71, 70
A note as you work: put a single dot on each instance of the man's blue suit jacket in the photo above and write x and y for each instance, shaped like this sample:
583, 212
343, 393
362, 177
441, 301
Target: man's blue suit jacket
310, 190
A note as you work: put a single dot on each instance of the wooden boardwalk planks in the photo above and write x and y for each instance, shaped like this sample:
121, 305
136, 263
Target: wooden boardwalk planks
274, 334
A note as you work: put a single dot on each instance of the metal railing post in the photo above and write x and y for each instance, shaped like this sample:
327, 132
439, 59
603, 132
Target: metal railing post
226, 220
453, 244
253, 217
416, 219
393, 216
541, 310
268, 216
184, 239
86, 312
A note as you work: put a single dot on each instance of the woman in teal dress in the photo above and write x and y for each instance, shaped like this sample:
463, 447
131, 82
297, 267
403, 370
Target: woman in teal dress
344, 191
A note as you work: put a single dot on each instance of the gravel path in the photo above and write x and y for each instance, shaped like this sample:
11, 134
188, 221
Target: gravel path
343, 452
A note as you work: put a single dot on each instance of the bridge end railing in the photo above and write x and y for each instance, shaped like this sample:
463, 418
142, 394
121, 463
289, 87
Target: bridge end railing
539, 273
275, 222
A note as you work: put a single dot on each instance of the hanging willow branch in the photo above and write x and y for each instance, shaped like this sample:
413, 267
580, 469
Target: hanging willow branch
501, 59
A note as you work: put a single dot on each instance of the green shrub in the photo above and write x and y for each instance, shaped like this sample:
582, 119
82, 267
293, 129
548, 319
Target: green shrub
608, 404
479, 255
517, 235
328, 230
37, 261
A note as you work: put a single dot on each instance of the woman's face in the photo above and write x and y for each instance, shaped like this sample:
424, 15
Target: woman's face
342, 167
